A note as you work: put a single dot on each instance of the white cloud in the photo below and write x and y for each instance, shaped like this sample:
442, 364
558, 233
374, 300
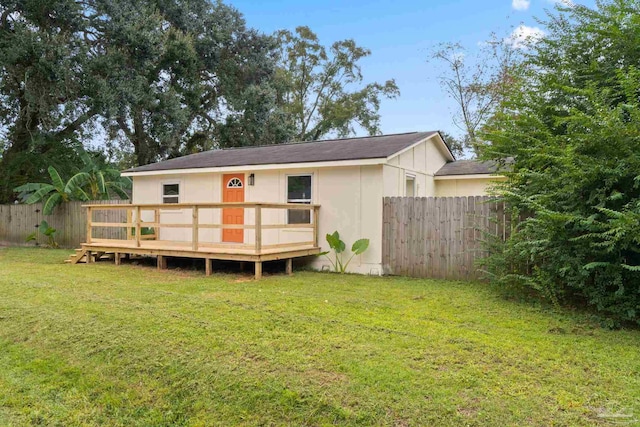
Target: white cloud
568, 3
523, 35
520, 4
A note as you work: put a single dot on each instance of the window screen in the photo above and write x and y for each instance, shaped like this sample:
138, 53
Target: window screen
170, 193
299, 191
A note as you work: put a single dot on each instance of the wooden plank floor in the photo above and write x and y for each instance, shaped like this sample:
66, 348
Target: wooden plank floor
220, 251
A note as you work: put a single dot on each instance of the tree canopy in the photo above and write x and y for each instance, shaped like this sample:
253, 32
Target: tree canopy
163, 77
153, 79
44, 88
477, 83
186, 76
572, 124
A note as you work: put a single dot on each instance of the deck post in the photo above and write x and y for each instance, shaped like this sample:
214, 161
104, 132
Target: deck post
316, 216
129, 223
194, 228
258, 231
116, 257
258, 270
138, 230
162, 262
289, 267
156, 224
208, 266
89, 257
89, 226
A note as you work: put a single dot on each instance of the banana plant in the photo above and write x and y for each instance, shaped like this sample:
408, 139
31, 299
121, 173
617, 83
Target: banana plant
338, 247
96, 182
49, 232
93, 182
51, 194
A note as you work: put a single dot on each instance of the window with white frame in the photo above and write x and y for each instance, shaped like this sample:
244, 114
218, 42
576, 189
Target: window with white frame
299, 191
171, 192
410, 181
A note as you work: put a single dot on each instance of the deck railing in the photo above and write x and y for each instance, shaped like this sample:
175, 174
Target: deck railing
134, 223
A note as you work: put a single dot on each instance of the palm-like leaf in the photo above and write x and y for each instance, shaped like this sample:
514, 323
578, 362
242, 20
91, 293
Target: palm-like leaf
88, 162
54, 200
126, 182
76, 182
80, 194
113, 174
55, 179
118, 189
102, 188
25, 190
29, 187
40, 194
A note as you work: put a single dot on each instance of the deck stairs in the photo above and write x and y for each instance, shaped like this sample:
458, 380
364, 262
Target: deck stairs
80, 256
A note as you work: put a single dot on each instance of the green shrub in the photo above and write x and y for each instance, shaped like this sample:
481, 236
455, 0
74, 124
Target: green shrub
338, 247
572, 124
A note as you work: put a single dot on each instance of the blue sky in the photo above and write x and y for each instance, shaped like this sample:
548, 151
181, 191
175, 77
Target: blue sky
400, 34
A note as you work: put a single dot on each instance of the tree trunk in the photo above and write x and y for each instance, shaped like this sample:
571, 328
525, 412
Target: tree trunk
140, 141
14, 172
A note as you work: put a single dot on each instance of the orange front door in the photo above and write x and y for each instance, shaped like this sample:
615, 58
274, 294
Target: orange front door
233, 192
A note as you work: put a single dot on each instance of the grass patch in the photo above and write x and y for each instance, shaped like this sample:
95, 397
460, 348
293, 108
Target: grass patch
104, 345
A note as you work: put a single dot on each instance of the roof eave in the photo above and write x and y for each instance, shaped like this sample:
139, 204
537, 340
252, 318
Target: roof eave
469, 176
270, 166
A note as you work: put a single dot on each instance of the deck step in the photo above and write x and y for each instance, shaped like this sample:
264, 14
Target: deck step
81, 256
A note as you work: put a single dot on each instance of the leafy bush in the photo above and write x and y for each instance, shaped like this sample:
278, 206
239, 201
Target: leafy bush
573, 126
47, 231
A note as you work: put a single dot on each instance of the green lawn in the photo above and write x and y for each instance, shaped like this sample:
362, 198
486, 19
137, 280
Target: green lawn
104, 345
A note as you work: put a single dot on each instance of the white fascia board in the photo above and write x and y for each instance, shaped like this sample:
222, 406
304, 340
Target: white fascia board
469, 176
251, 168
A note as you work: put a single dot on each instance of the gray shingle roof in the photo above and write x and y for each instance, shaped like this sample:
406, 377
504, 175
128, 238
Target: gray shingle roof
469, 167
370, 147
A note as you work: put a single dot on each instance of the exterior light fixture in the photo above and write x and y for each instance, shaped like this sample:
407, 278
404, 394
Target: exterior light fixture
252, 179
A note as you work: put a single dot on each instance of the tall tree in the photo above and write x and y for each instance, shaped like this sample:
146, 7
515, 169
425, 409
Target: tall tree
164, 77
572, 124
476, 82
44, 87
184, 73
322, 87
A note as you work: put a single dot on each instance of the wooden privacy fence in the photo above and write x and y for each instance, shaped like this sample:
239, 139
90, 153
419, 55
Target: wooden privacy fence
439, 237
69, 219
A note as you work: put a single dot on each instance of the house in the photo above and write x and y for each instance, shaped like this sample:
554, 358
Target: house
466, 178
346, 179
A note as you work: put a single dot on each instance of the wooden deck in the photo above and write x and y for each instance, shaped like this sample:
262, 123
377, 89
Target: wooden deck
137, 243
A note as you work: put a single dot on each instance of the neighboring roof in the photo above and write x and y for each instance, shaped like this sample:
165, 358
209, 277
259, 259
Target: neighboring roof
369, 147
469, 167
